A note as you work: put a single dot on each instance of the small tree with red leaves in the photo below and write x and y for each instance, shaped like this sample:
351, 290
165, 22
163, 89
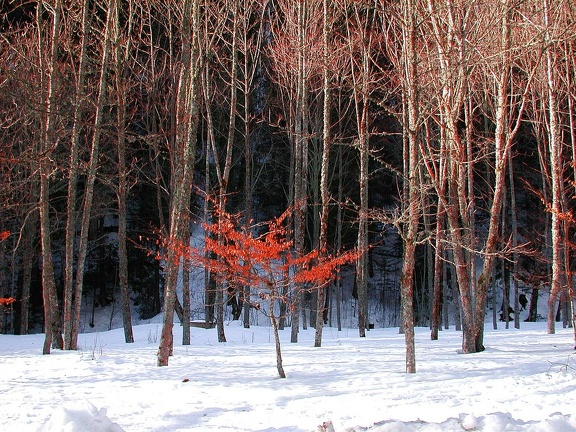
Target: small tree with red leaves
265, 262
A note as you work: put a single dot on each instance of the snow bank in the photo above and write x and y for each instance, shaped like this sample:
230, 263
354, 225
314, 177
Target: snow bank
82, 417
497, 422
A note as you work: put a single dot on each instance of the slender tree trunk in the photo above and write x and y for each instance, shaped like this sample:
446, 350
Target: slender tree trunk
50, 300
360, 91
91, 176
570, 71
225, 176
300, 164
274, 323
514, 225
503, 142
554, 146
183, 156
323, 243
410, 238
186, 298
452, 57
122, 191
247, 185
438, 280
210, 285
28, 252
338, 284
73, 182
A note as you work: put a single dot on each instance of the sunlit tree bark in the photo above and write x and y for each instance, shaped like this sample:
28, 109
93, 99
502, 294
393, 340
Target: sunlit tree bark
556, 162
326, 141
411, 103
182, 162
46, 146
507, 125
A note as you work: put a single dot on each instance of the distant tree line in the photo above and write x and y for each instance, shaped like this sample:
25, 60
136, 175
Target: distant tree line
449, 125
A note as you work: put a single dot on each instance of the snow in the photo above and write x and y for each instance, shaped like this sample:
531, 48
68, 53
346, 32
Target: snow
524, 381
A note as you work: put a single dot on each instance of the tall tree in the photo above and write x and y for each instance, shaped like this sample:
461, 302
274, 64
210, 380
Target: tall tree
450, 24
46, 146
326, 143
73, 169
409, 67
360, 33
182, 161
92, 171
507, 122
223, 174
121, 58
549, 17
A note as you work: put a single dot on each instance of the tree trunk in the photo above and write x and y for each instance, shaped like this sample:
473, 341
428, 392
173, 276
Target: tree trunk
300, 163
274, 323
70, 229
556, 168
122, 191
503, 141
360, 93
338, 284
50, 299
91, 177
224, 178
438, 280
247, 185
323, 243
410, 238
571, 58
30, 229
185, 321
182, 163
514, 225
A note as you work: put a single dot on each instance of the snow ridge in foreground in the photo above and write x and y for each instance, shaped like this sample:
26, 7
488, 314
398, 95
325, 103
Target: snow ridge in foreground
82, 417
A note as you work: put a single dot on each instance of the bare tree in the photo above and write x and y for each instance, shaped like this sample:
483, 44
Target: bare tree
46, 146
507, 121
326, 143
71, 213
93, 165
182, 161
121, 57
361, 37
549, 12
409, 68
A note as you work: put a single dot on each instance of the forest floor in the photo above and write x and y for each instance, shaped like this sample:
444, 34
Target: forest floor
524, 381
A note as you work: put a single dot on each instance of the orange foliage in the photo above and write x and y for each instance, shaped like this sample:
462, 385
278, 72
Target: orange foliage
4, 235
7, 301
266, 262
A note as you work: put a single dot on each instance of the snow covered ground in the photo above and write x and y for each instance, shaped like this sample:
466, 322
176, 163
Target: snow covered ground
524, 381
